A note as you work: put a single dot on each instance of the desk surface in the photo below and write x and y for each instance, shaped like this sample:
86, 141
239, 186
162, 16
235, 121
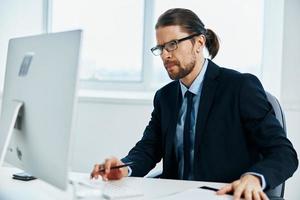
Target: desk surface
152, 188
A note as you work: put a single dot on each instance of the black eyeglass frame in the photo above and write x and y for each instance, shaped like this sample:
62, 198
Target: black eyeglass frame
161, 47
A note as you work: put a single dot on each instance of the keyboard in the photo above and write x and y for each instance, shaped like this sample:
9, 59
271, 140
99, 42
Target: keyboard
108, 189
119, 190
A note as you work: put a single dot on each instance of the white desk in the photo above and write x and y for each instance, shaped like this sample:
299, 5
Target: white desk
11, 189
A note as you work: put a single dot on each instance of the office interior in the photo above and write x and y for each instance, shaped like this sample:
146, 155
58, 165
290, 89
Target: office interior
111, 116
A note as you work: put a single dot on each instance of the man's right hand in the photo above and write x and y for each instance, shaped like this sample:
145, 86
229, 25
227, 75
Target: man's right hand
106, 173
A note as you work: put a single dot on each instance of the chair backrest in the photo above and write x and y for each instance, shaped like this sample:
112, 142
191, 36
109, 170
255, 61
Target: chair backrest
277, 192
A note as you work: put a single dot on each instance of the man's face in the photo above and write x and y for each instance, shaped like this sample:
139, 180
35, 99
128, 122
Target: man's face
180, 62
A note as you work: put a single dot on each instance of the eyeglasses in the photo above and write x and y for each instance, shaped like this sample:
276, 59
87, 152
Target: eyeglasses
170, 46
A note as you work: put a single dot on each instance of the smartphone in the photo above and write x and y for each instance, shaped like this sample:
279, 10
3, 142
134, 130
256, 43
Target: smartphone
209, 188
213, 189
23, 176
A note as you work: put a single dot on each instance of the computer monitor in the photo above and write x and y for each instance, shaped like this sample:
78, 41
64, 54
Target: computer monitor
38, 104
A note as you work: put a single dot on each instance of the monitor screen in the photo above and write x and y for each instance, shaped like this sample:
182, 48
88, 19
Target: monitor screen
38, 104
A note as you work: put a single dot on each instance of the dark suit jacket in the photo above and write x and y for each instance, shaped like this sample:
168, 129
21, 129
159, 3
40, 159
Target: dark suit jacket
236, 132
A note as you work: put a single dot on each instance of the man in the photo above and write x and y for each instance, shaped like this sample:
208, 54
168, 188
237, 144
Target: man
210, 123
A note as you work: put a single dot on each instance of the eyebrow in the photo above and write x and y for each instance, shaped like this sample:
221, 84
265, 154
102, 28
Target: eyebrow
181, 39
160, 45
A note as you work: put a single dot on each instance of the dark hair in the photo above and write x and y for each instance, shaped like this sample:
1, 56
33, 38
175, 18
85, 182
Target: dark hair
190, 23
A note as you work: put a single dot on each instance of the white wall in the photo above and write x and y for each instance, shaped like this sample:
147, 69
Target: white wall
111, 126
106, 127
272, 46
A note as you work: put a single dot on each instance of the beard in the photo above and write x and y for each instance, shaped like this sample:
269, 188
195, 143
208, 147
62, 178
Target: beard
182, 72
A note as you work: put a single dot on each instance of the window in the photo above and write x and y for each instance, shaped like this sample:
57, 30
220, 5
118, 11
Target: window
239, 25
113, 36
118, 35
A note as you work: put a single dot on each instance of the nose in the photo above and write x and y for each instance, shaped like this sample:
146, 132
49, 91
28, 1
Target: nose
165, 54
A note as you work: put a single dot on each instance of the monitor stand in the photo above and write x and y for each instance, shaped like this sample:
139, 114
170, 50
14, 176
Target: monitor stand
9, 122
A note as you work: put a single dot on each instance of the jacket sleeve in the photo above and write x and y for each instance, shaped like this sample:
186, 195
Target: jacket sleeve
279, 158
148, 151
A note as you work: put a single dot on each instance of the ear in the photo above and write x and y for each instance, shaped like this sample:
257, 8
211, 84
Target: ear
200, 43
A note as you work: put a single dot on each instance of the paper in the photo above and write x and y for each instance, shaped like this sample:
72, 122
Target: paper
197, 193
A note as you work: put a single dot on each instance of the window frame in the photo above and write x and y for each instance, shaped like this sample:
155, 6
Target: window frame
146, 83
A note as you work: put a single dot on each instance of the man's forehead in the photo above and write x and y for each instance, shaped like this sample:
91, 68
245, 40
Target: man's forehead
169, 33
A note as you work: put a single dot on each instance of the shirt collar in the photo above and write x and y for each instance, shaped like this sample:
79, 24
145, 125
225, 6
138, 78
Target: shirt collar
197, 83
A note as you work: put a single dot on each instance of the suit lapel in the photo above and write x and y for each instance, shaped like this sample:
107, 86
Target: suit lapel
210, 84
174, 111
174, 107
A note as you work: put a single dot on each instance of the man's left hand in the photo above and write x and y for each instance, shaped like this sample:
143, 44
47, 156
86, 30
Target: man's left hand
248, 186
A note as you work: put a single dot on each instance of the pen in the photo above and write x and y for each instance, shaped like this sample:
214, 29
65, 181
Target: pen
119, 166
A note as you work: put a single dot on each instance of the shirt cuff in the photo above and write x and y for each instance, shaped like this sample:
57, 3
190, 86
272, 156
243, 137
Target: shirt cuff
262, 178
129, 170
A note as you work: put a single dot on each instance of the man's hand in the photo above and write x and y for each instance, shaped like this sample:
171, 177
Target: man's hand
248, 186
106, 173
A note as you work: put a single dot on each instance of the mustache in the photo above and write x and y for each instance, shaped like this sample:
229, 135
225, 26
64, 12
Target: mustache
168, 62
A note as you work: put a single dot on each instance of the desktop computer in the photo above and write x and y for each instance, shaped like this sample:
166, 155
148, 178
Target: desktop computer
38, 104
